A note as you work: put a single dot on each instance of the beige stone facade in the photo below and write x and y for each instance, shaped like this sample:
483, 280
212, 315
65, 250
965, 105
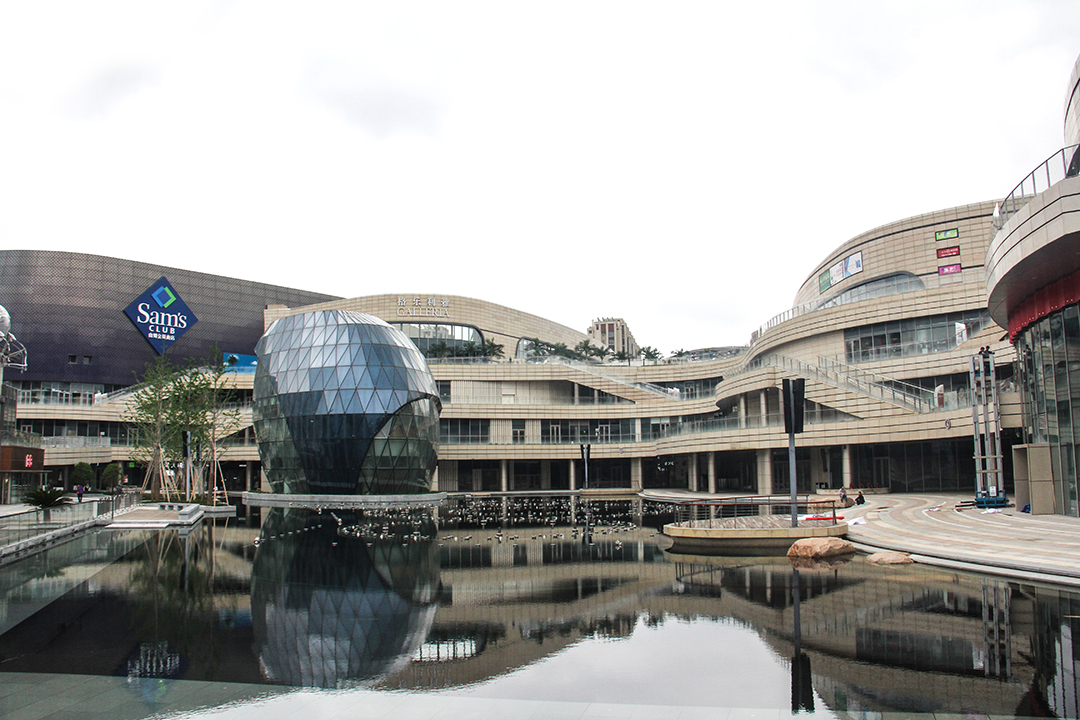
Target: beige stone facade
882, 334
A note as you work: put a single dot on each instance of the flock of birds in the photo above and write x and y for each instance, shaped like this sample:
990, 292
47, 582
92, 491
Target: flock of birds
511, 521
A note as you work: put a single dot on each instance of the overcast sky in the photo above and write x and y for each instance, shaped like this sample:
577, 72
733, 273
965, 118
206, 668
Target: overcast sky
684, 165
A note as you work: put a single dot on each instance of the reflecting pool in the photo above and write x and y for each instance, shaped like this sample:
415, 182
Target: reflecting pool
538, 607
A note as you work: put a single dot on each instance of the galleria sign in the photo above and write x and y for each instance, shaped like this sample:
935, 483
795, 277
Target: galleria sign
160, 315
423, 307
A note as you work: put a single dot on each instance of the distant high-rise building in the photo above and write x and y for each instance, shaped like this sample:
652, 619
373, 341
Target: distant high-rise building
615, 335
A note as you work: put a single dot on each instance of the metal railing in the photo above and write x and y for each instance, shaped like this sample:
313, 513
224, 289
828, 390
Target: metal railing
24, 525
865, 382
1062, 164
704, 510
848, 377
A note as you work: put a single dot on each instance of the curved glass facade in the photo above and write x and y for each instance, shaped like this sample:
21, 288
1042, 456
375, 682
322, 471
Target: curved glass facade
895, 284
344, 404
1048, 352
433, 335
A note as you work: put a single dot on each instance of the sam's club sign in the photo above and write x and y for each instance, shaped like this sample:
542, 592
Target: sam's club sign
161, 316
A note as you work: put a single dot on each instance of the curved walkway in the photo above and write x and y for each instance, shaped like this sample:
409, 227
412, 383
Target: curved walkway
934, 530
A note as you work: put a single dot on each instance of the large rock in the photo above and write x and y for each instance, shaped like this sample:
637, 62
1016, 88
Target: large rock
890, 558
817, 548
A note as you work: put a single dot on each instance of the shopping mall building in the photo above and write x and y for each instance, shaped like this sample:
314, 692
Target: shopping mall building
886, 330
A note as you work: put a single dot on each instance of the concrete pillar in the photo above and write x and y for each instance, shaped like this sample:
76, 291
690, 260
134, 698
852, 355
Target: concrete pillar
763, 404
504, 479
637, 429
712, 471
573, 476
847, 466
545, 474
447, 476
635, 473
691, 471
742, 411
764, 474
435, 480
577, 394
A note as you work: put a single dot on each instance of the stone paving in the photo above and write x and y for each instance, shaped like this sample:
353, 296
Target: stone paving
936, 529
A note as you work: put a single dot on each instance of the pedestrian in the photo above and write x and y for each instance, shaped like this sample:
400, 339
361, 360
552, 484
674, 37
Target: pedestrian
859, 499
843, 496
79, 491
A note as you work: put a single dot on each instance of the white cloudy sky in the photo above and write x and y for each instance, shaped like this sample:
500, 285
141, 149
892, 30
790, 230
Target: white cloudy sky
684, 165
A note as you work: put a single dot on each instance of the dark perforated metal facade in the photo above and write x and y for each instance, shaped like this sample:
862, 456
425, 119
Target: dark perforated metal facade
68, 309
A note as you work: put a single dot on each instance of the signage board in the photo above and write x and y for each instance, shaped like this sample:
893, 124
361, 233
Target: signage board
947, 234
161, 315
242, 364
21, 459
948, 251
948, 269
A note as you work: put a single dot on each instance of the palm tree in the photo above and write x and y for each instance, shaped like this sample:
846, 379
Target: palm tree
438, 350
538, 348
491, 349
623, 355
650, 353
45, 499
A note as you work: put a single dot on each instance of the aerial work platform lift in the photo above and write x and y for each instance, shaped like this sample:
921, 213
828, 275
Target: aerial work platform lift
986, 428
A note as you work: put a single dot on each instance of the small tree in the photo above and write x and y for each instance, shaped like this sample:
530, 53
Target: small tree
623, 355
82, 474
112, 475
650, 353
153, 413
216, 415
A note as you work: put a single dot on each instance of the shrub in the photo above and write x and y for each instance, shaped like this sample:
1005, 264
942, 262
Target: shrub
45, 498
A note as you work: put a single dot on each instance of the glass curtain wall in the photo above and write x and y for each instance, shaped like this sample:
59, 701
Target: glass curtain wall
913, 336
1049, 359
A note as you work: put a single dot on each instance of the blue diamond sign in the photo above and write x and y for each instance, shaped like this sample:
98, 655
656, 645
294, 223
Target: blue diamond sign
161, 315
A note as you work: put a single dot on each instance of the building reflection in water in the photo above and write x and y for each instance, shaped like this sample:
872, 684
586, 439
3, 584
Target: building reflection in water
496, 593
341, 600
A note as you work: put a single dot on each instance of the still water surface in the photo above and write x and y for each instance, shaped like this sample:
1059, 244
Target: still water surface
539, 599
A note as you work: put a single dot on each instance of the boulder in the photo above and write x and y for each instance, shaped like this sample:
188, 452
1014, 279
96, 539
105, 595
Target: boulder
817, 548
890, 558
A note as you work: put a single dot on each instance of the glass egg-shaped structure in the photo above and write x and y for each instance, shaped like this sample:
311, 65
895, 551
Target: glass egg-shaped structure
344, 405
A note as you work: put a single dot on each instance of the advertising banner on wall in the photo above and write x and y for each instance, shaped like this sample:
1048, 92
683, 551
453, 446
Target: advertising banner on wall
847, 267
161, 315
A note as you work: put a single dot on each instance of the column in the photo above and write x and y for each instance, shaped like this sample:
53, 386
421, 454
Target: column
435, 480
573, 477
712, 471
635, 473
637, 429
545, 474
248, 488
504, 480
763, 403
847, 466
691, 470
764, 474
742, 411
